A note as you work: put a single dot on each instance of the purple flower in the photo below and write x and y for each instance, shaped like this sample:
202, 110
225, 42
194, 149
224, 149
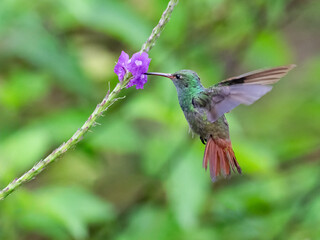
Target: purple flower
139, 81
137, 65
121, 67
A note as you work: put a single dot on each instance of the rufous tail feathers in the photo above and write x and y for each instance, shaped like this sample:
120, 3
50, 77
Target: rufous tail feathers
221, 158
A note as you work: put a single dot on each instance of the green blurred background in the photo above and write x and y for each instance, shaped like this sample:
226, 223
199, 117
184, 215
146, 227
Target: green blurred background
139, 174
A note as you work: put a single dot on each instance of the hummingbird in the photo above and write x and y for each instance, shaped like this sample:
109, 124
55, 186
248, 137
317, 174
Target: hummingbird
205, 108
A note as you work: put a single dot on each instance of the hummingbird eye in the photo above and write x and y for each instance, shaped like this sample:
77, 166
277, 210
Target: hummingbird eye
178, 76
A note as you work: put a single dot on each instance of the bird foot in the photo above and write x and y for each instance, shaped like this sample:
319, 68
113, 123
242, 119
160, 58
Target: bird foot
203, 140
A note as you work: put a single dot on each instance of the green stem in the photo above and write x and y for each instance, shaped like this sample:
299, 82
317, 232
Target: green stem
107, 101
160, 26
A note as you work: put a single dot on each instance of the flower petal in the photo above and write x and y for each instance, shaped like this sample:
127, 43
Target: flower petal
121, 67
139, 63
139, 81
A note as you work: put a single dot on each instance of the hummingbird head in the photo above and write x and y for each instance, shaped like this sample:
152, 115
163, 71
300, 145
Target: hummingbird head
183, 79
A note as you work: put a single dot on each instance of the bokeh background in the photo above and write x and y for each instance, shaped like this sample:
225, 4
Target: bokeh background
138, 175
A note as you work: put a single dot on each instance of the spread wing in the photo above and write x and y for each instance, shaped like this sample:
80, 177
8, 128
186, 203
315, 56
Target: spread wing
244, 89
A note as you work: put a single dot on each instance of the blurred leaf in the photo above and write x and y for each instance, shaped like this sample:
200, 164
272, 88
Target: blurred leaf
27, 39
187, 189
143, 107
21, 150
253, 157
28, 145
150, 222
112, 17
235, 28
275, 10
23, 88
115, 135
269, 49
61, 125
87, 167
164, 150
69, 210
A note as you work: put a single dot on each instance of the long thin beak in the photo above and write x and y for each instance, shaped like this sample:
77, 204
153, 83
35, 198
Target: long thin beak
168, 75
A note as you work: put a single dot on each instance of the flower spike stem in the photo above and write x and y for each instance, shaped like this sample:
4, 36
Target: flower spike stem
160, 26
107, 101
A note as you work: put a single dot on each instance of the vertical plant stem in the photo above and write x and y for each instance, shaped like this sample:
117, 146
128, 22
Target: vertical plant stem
107, 101
160, 26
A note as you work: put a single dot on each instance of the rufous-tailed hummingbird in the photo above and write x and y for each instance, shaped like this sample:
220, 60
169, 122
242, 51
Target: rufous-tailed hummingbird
204, 109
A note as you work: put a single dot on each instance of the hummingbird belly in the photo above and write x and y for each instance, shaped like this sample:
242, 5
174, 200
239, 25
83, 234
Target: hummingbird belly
199, 124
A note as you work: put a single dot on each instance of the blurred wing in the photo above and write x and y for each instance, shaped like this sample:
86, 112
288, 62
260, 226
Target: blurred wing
262, 76
244, 89
230, 97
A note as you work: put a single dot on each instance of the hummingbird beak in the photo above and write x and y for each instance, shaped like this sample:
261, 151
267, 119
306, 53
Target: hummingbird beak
167, 75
